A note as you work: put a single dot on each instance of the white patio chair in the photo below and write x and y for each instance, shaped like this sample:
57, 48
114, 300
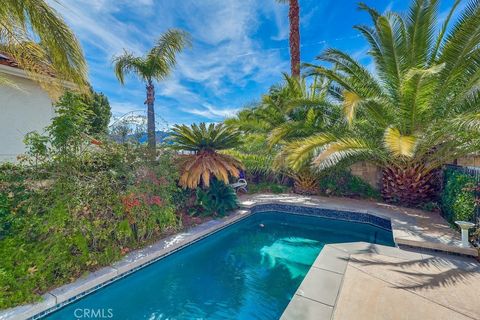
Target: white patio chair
241, 184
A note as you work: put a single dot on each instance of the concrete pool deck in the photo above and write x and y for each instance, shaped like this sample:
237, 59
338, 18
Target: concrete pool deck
364, 281
411, 227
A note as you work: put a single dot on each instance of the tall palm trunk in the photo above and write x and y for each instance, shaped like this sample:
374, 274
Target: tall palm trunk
150, 115
410, 185
294, 18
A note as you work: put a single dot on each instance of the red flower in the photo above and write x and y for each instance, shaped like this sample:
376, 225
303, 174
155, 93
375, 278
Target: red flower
130, 201
155, 200
96, 142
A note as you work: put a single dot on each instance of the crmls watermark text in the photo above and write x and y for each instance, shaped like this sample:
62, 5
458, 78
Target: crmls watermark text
100, 313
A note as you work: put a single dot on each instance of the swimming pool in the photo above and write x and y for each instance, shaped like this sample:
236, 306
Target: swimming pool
249, 270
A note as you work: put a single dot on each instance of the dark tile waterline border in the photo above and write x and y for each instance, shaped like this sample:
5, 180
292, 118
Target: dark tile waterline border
209, 228
351, 216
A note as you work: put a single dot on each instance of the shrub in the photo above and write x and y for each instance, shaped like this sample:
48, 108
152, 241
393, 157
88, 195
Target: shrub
340, 182
268, 187
458, 196
218, 199
56, 225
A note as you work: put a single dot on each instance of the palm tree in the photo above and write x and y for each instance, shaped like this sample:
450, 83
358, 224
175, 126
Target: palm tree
294, 19
36, 37
155, 65
421, 108
289, 112
205, 162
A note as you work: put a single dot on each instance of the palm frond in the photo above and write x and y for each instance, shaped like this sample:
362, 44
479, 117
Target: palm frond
36, 36
460, 49
350, 103
421, 27
163, 56
301, 151
398, 144
127, 63
199, 137
441, 34
199, 168
468, 121
341, 149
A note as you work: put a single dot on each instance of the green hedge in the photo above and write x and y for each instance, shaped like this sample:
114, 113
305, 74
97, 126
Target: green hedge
458, 196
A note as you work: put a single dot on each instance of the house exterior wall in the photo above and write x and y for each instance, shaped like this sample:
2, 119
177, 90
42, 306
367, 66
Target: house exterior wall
21, 111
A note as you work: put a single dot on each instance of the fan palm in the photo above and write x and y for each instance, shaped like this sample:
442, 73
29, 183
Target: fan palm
37, 38
205, 161
418, 111
294, 19
155, 65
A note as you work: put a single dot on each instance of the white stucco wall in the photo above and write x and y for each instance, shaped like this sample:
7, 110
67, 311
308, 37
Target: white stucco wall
21, 111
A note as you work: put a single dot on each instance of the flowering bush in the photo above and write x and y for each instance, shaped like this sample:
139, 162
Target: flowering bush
60, 219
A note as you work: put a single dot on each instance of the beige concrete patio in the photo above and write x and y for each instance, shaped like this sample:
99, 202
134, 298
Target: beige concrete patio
364, 281
416, 286
410, 227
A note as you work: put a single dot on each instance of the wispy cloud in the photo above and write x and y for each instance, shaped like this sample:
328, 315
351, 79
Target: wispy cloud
226, 58
213, 113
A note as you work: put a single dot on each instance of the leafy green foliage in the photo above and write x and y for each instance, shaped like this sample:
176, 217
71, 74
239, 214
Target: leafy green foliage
55, 226
100, 110
268, 187
458, 197
96, 109
340, 182
218, 199
70, 126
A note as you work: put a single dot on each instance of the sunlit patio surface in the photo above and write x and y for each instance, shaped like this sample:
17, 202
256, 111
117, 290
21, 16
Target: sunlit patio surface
419, 285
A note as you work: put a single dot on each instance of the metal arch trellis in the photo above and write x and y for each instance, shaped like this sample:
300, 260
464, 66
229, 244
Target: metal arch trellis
160, 122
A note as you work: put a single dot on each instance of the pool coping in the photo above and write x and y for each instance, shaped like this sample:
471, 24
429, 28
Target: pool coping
141, 258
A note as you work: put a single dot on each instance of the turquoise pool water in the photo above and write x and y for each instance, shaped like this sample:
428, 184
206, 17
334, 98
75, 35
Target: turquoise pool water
245, 271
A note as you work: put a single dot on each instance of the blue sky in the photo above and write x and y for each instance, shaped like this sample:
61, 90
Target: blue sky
240, 47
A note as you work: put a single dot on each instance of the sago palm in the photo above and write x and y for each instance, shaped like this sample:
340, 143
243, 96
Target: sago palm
419, 110
36, 37
204, 161
155, 65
